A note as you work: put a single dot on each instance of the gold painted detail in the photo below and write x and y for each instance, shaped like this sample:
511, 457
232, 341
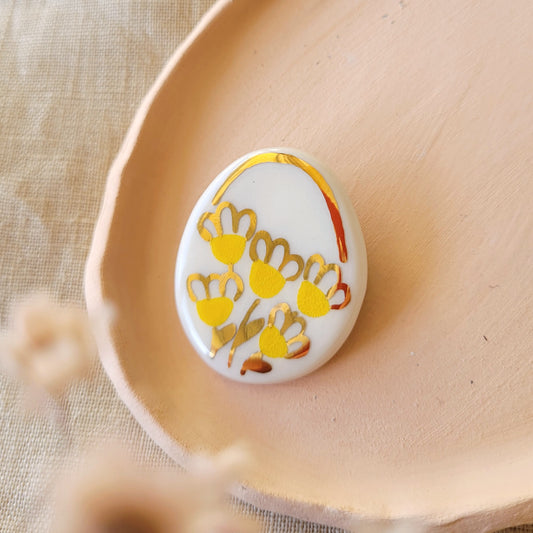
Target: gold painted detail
214, 311
221, 337
290, 318
312, 172
256, 363
273, 341
222, 280
247, 330
267, 280
312, 301
227, 247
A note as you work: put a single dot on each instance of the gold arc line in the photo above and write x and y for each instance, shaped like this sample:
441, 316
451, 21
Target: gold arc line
288, 159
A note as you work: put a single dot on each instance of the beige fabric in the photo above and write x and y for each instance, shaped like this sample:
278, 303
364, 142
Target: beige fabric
72, 75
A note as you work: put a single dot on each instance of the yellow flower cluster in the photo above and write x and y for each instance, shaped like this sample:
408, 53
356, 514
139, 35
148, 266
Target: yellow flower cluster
266, 279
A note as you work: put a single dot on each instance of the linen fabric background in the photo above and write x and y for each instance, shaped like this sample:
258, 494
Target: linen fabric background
72, 75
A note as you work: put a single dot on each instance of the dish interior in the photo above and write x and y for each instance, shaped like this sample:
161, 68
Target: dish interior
426, 409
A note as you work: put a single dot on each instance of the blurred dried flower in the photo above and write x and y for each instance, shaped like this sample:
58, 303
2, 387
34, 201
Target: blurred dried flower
48, 346
113, 495
208, 480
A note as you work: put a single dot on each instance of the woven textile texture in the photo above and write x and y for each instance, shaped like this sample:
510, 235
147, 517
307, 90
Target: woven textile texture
73, 73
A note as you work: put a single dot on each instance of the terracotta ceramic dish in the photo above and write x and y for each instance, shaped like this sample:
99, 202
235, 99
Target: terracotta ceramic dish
424, 109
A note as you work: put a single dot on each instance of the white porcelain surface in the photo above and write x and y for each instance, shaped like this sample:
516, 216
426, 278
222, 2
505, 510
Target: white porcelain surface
285, 202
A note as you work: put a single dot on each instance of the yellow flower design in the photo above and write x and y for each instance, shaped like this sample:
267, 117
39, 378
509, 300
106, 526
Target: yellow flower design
311, 300
214, 311
227, 230
227, 247
273, 341
266, 280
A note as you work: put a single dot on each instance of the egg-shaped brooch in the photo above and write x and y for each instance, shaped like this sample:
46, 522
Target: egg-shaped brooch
271, 269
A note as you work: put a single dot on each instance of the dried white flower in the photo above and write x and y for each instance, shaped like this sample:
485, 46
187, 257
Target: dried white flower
113, 494
208, 480
48, 346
